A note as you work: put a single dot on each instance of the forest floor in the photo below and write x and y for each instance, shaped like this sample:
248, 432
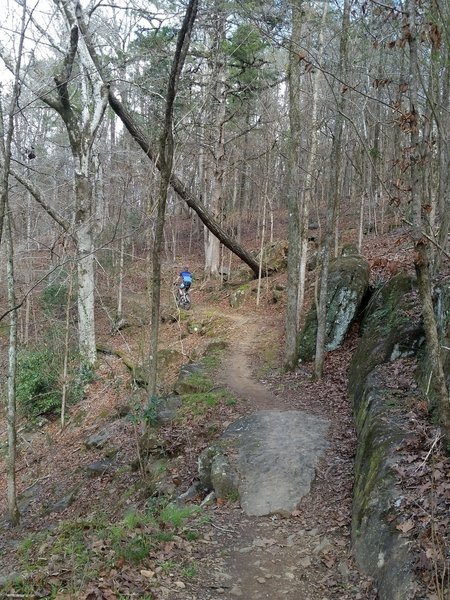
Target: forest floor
93, 528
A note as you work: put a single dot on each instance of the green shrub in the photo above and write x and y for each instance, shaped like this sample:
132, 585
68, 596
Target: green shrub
38, 391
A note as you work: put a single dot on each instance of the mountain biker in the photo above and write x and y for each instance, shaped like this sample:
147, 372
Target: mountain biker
186, 279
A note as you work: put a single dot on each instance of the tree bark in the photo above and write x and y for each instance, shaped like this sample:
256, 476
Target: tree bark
13, 509
82, 124
218, 96
5, 223
294, 74
309, 185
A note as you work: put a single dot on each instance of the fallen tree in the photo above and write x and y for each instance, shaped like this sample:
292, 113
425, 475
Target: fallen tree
181, 189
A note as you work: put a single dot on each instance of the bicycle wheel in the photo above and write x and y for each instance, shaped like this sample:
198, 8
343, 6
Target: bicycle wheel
185, 301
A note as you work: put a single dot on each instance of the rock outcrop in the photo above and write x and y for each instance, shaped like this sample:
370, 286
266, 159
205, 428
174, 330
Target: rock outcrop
348, 283
268, 459
391, 330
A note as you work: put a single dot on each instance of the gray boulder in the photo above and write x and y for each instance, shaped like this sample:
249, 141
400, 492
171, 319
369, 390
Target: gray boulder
100, 438
63, 503
166, 410
204, 464
275, 256
267, 459
224, 479
348, 283
190, 380
100, 468
238, 297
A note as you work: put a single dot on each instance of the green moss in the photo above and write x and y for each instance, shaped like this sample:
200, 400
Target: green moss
200, 403
199, 382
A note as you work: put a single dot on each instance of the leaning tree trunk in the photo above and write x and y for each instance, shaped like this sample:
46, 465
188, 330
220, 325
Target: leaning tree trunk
177, 185
181, 189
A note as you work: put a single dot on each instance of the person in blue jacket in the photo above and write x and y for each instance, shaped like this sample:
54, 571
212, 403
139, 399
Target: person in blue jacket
186, 279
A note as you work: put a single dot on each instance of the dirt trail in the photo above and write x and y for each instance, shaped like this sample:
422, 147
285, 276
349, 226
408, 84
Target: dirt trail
238, 372
305, 556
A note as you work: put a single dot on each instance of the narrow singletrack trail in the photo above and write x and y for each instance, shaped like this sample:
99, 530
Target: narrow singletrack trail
304, 555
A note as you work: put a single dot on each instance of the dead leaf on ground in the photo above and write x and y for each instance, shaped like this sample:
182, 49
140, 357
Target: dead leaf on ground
405, 526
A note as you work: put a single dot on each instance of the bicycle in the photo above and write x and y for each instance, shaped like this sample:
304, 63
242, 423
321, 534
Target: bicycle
183, 299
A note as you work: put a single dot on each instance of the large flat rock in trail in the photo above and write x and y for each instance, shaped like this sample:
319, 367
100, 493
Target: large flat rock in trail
276, 459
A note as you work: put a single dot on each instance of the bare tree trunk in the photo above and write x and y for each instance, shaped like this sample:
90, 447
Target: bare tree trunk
261, 249
333, 199
166, 162
120, 283
443, 132
294, 73
82, 125
310, 169
66, 350
85, 265
5, 222
218, 115
13, 510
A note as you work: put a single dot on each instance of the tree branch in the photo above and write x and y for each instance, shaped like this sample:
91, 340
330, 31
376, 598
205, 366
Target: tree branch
37, 195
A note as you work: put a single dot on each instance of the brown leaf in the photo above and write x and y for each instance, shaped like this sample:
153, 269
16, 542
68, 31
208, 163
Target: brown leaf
147, 574
405, 526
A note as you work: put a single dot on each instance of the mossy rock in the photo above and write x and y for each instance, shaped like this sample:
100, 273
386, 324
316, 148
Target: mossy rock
237, 298
169, 314
348, 282
192, 380
382, 426
196, 326
168, 356
216, 472
216, 346
224, 478
349, 250
275, 256
167, 410
392, 328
